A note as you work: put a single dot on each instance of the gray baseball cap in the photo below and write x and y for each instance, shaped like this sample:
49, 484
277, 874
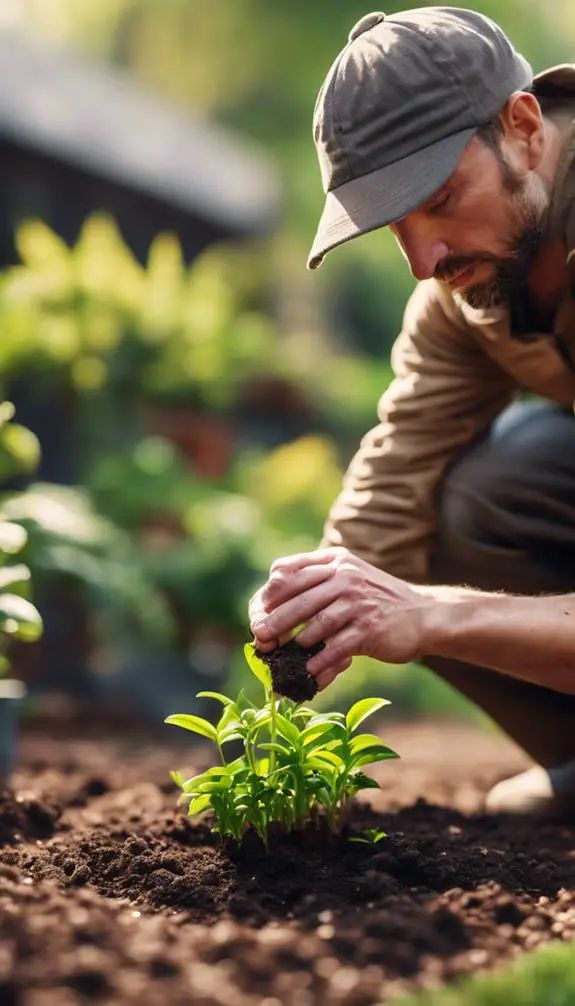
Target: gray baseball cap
397, 109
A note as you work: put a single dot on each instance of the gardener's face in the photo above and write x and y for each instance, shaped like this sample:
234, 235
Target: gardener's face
480, 232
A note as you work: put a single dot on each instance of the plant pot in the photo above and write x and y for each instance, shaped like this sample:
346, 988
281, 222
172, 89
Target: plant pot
12, 694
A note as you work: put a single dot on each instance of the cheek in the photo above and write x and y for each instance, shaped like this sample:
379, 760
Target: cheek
484, 228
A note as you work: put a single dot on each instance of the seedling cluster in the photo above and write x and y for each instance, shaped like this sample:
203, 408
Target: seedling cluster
296, 766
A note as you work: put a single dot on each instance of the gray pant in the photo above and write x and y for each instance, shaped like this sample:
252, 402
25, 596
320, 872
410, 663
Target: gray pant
507, 521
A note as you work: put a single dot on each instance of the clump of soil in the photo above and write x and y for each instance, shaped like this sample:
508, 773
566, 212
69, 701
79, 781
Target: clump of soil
290, 677
25, 817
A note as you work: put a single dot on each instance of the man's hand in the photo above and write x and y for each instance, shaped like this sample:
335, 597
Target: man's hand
353, 607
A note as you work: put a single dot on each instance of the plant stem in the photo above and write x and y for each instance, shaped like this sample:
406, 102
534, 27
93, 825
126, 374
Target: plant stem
249, 746
273, 731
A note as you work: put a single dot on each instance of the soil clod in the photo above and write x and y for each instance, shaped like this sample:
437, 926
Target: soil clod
290, 676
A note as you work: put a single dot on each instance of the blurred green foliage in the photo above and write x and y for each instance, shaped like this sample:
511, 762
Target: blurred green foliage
19, 619
95, 314
546, 976
146, 358
257, 66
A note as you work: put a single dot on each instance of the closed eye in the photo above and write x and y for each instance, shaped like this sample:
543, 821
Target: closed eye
441, 203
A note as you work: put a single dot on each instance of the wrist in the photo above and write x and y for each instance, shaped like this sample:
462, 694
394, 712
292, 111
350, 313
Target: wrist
444, 617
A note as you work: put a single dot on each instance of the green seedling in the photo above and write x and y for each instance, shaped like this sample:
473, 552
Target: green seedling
296, 765
371, 837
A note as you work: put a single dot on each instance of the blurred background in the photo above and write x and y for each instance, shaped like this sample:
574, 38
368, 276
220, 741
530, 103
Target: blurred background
195, 392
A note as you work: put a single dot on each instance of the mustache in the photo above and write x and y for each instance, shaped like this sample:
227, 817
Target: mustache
516, 258
456, 264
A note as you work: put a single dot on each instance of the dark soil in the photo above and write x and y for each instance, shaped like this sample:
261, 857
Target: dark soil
290, 677
109, 895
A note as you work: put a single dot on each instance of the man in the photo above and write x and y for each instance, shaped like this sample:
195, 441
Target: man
431, 124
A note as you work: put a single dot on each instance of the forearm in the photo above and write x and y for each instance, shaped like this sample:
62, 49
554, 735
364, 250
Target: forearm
532, 638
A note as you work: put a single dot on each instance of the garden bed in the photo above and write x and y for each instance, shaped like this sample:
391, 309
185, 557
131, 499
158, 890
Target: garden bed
109, 895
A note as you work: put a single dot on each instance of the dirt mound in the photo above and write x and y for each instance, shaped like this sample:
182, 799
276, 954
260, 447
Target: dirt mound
127, 900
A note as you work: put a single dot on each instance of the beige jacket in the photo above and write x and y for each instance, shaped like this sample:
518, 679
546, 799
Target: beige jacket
455, 370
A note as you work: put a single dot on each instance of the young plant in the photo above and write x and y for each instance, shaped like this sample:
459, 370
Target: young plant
296, 765
371, 837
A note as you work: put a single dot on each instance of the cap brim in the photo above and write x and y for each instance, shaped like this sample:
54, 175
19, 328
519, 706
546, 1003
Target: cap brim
375, 200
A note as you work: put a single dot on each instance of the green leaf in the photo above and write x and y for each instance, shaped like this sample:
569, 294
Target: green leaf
243, 703
215, 695
19, 451
13, 537
361, 710
327, 757
372, 836
199, 804
214, 785
262, 718
316, 731
326, 770
7, 411
230, 714
273, 746
372, 755
304, 712
233, 726
178, 778
226, 737
194, 783
194, 723
19, 618
233, 768
364, 741
17, 579
288, 730
362, 781
257, 666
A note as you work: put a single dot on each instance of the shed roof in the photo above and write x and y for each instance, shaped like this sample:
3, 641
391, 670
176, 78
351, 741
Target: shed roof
101, 121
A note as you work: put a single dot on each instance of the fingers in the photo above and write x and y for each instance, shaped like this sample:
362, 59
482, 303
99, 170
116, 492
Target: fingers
281, 587
298, 609
293, 563
330, 674
293, 574
326, 623
343, 646
265, 647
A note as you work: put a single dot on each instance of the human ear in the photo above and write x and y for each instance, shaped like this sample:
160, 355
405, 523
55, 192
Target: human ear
524, 129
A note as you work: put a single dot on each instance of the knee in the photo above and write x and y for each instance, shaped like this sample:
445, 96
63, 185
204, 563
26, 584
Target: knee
502, 496
474, 491
525, 459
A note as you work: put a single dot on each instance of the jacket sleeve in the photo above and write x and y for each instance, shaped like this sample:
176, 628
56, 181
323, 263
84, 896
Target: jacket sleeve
446, 391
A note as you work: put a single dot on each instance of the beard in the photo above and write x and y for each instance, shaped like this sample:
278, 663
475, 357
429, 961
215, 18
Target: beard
510, 278
528, 205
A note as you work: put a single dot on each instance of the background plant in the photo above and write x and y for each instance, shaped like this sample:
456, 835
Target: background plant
296, 764
19, 619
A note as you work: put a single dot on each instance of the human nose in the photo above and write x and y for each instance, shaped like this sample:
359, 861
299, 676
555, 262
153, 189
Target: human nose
423, 253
